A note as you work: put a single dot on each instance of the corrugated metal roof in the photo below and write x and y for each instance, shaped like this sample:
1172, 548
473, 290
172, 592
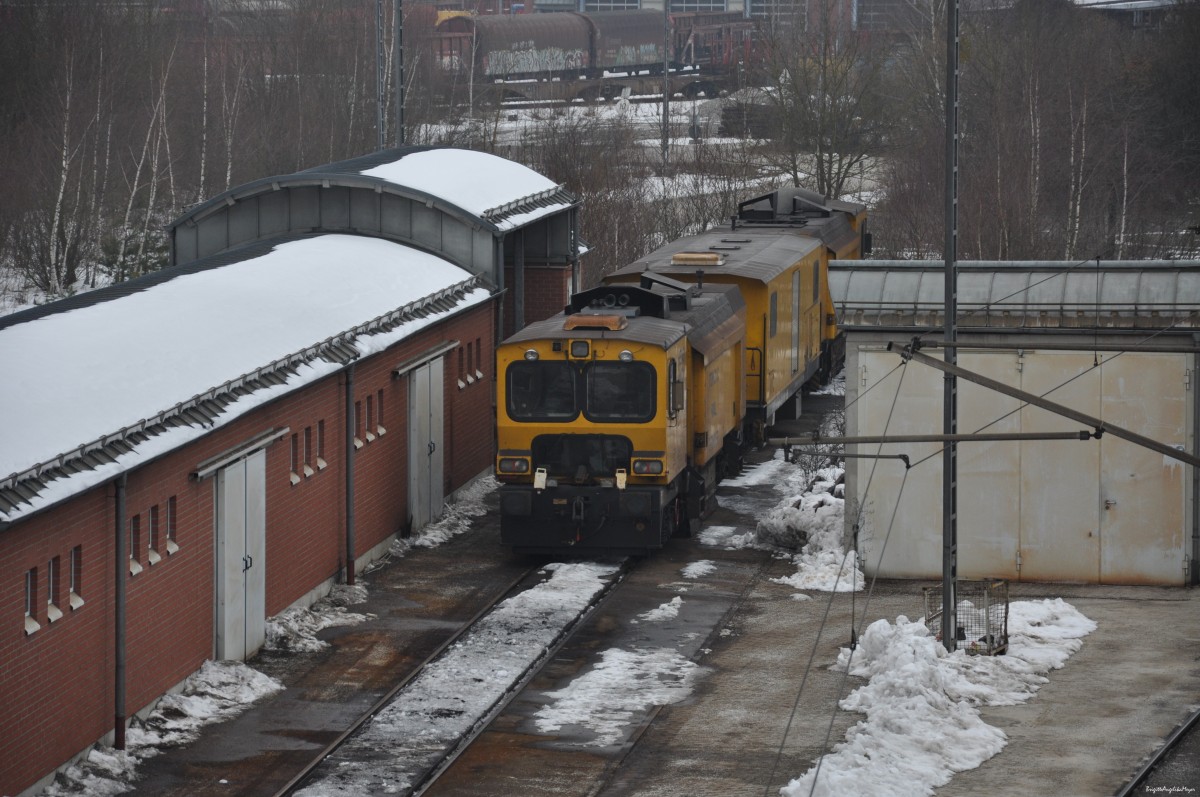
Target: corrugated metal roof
1113, 294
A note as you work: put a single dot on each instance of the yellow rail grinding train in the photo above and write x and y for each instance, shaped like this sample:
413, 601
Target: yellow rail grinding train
616, 418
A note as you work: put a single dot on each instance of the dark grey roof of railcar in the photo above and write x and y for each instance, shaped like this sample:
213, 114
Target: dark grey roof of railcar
756, 253
709, 308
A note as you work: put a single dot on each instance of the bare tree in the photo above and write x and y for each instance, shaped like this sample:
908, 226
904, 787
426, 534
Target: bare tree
827, 96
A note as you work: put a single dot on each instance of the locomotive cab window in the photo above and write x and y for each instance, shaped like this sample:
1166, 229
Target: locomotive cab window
541, 391
620, 392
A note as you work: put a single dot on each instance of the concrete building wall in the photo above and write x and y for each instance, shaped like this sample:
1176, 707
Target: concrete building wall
1100, 511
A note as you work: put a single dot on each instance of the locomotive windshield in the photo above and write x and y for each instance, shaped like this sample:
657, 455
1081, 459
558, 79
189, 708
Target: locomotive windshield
541, 391
581, 456
604, 391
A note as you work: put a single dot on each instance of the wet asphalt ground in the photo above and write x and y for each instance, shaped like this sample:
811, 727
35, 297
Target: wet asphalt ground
746, 729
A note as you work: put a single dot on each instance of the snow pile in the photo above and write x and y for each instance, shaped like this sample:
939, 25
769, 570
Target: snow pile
216, 692
296, 629
608, 698
923, 722
667, 611
450, 696
792, 524
819, 519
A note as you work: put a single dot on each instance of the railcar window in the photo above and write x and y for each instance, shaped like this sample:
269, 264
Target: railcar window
541, 391
620, 392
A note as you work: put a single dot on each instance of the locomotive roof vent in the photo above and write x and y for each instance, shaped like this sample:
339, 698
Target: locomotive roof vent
697, 259
611, 322
628, 301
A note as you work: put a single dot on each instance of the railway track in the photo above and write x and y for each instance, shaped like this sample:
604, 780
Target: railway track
424, 610
388, 697
1176, 762
420, 727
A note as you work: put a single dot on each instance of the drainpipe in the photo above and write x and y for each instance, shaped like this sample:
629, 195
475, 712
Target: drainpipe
574, 253
350, 450
1193, 577
122, 566
519, 280
498, 260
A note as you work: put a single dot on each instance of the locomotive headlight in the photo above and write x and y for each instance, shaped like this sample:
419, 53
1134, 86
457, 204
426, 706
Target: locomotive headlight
513, 465
531, 354
626, 356
648, 467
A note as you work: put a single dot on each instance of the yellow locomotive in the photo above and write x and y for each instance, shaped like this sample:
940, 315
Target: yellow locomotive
616, 418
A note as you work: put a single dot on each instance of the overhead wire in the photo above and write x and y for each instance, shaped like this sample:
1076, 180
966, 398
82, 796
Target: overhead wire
1098, 364
856, 631
832, 595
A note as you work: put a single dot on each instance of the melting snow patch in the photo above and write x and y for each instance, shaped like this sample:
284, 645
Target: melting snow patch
769, 472
456, 518
727, 537
608, 698
216, 692
296, 629
668, 611
699, 569
923, 724
836, 386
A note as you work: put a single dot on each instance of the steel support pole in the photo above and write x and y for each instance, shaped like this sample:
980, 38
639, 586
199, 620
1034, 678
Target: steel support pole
666, 100
950, 385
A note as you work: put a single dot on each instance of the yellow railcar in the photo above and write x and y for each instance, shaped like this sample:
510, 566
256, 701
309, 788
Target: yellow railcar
777, 252
610, 413
617, 417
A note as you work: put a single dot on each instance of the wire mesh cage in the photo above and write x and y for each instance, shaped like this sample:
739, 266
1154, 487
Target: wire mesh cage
981, 609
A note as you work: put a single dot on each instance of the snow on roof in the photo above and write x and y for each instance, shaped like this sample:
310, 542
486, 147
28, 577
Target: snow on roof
73, 377
487, 185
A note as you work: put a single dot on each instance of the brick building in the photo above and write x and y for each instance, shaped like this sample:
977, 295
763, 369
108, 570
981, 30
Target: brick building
199, 449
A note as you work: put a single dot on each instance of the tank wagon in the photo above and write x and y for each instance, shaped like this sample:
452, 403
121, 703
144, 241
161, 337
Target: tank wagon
530, 46
617, 417
587, 55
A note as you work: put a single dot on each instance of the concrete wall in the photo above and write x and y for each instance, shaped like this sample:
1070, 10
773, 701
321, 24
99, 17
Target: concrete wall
1105, 511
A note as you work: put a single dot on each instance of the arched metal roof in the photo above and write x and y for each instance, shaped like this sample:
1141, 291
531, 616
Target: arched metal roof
352, 173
